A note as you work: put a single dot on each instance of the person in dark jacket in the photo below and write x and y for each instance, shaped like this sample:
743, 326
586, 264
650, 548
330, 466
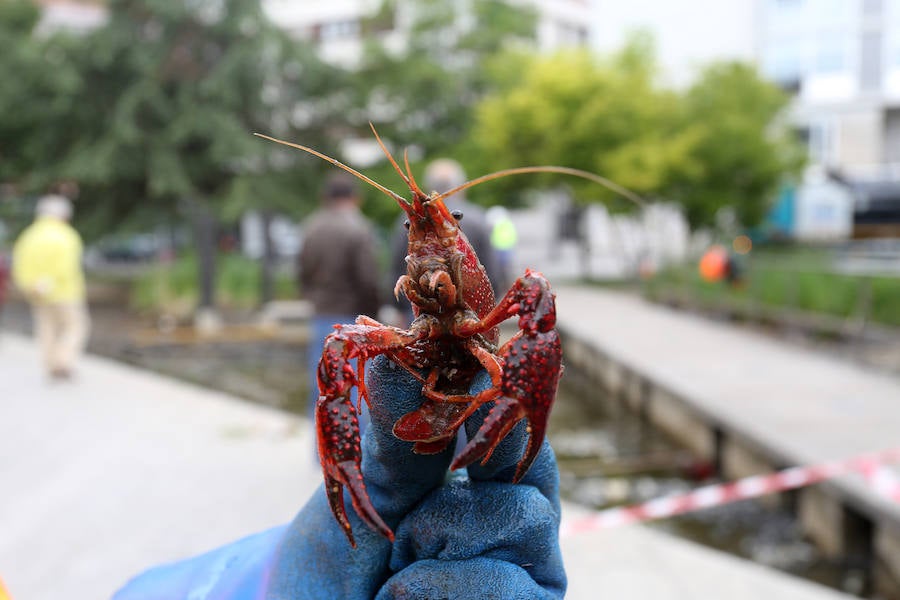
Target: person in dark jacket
337, 267
4, 282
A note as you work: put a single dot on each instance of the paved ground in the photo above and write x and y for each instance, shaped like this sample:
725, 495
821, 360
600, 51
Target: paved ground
123, 469
802, 406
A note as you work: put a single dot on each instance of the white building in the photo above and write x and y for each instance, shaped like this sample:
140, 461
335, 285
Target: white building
839, 58
71, 16
842, 60
338, 26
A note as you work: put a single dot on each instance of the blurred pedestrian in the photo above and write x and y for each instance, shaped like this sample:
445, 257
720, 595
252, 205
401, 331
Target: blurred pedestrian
337, 267
47, 268
503, 239
441, 176
4, 280
713, 264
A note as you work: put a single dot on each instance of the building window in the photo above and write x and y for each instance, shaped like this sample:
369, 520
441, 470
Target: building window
872, 8
870, 61
783, 60
822, 136
831, 55
336, 30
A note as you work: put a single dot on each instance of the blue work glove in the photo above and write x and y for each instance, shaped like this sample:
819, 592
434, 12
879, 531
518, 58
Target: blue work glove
471, 537
465, 536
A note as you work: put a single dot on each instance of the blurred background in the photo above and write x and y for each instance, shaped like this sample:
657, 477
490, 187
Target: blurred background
763, 135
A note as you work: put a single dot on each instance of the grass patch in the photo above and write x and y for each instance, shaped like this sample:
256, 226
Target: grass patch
174, 287
800, 285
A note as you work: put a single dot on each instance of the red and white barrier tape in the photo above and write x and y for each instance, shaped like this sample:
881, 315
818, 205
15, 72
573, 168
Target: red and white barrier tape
872, 467
883, 480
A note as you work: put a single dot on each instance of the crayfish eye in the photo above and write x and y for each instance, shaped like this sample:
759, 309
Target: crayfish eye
406, 223
457, 214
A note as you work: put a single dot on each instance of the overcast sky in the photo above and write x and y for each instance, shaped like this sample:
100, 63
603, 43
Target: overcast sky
688, 32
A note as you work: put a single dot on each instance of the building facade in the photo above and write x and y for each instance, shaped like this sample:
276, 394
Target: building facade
841, 60
339, 26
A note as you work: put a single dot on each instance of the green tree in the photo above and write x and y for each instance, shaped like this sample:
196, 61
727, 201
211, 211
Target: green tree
170, 94
743, 147
34, 98
422, 95
575, 109
605, 115
720, 144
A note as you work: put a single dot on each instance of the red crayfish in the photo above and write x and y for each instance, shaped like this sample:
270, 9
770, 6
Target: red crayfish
453, 337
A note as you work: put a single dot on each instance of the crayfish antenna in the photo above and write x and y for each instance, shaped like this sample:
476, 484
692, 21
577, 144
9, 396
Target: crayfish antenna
338, 164
413, 186
406, 179
608, 184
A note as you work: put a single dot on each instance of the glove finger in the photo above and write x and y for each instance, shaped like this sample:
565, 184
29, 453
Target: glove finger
395, 476
501, 521
474, 578
544, 475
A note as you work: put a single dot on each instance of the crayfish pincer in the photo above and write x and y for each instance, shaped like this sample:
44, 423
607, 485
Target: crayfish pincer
452, 338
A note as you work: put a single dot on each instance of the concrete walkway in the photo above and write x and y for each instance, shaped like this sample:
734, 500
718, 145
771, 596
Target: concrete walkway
798, 406
123, 469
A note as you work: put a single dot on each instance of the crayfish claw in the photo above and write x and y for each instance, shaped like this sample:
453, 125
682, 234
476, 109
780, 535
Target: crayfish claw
347, 473
532, 364
337, 428
535, 442
501, 418
334, 490
432, 447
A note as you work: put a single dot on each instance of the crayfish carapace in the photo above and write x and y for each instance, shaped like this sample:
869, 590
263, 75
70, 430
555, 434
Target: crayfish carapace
453, 337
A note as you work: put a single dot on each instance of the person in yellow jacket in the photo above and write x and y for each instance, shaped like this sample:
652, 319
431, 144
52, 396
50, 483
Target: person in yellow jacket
47, 268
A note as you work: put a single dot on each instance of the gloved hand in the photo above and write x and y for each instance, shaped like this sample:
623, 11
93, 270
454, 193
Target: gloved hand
469, 535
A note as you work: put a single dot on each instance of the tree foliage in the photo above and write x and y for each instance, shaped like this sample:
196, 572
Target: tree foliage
35, 97
155, 109
604, 115
421, 95
719, 144
159, 107
742, 148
